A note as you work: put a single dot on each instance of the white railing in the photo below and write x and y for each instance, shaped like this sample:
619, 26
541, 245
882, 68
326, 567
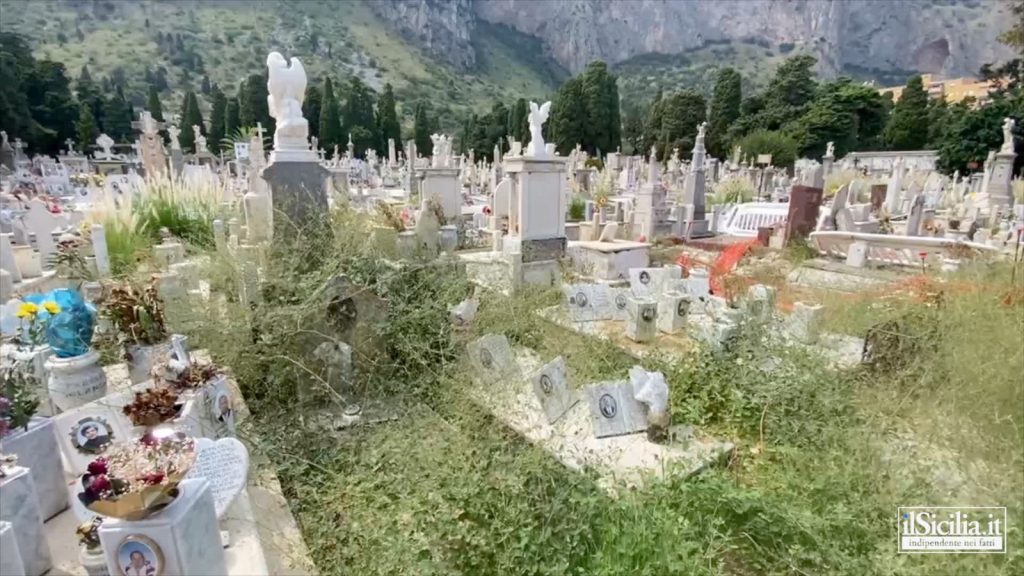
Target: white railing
898, 250
745, 219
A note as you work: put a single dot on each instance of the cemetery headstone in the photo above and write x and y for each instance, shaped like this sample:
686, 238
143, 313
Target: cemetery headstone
614, 409
551, 385
491, 357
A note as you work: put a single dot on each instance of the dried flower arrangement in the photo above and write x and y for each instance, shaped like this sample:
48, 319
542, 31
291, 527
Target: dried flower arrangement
137, 313
131, 481
180, 378
389, 217
153, 407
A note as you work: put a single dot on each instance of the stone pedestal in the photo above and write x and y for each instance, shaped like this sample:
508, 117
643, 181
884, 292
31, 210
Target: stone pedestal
76, 381
537, 215
805, 322
998, 187
19, 505
673, 308
640, 324
299, 198
10, 558
186, 533
609, 260
37, 449
442, 185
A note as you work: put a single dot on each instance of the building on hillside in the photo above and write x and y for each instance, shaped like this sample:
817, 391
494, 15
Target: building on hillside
954, 90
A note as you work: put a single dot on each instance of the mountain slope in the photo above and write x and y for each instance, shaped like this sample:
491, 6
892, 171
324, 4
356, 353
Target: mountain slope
229, 39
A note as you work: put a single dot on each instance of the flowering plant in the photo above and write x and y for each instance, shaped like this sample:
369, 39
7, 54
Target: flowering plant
18, 400
35, 312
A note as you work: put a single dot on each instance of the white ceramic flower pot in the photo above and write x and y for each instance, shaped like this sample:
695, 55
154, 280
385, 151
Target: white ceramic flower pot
37, 450
449, 238
142, 358
94, 561
76, 381
28, 262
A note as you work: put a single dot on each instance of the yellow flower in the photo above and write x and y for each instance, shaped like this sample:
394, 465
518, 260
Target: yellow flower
27, 309
51, 307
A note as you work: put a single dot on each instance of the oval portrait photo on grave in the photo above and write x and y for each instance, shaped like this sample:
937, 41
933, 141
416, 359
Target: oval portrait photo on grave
609, 408
645, 278
91, 435
486, 359
140, 556
224, 408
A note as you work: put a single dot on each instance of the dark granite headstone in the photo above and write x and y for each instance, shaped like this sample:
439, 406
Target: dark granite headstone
877, 196
300, 198
804, 204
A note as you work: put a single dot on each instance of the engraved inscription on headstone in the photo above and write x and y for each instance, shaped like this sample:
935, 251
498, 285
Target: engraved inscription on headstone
614, 410
225, 465
551, 386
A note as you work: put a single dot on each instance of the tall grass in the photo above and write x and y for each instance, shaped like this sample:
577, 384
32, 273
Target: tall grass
186, 210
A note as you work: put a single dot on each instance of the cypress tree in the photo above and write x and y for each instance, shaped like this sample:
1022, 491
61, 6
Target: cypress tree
246, 114
358, 117
569, 116
153, 104
191, 116
681, 113
311, 110
908, 124
421, 131
330, 120
117, 116
725, 109
387, 117
518, 121
86, 127
252, 100
218, 120
231, 122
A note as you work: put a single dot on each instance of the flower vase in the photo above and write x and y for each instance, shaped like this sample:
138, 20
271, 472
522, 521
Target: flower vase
36, 448
448, 237
93, 560
142, 358
76, 380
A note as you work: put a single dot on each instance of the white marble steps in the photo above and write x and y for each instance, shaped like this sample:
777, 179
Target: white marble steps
619, 460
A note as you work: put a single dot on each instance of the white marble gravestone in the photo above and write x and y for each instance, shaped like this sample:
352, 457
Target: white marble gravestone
619, 301
106, 414
588, 302
37, 450
614, 410
642, 313
19, 505
186, 532
224, 464
492, 358
551, 385
673, 308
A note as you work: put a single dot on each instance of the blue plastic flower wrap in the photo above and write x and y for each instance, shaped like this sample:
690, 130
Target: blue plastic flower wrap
69, 332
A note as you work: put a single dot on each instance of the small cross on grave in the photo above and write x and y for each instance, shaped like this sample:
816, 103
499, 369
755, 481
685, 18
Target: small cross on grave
71, 146
18, 145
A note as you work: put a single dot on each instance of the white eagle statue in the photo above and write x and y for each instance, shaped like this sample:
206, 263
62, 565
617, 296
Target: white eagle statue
286, 88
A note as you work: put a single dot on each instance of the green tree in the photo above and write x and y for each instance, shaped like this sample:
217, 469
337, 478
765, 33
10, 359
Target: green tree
682, 112
652, 124
782, 147
421, 130
218, 120
88, 91
191, 116
387, 117
1009, 76
86, 127
519, 121
358, 118
725, 109
311, 110
16, 64
330, 119
633, 132
117, 116
568, 116
844, 112
153, 105
600, 100
232, 124
252, 104
908, 124
51, 105
974, 132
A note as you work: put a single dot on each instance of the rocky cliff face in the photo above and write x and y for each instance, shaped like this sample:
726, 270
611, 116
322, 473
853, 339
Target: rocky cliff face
951, 37
443, 28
